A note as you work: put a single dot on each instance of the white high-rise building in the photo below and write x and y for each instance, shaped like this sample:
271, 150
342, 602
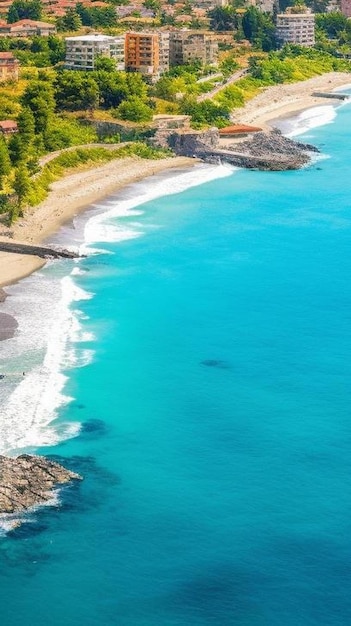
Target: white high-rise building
82, 52
296, 28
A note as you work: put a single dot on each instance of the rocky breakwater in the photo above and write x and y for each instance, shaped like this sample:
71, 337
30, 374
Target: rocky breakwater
266, 150
29, 480
274, 151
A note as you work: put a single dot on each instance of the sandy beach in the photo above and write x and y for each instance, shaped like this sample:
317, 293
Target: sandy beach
78, 190
69, 196
284, 100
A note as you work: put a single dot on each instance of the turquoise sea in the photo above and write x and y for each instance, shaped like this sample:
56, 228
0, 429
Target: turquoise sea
195, 367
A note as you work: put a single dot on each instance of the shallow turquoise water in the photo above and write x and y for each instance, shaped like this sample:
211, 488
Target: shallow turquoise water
216, 433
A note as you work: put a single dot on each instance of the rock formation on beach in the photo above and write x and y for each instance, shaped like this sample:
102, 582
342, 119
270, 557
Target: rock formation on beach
266, 150
29, 480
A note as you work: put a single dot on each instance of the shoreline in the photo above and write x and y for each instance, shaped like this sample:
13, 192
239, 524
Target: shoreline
77, 191
68, 197
286, 100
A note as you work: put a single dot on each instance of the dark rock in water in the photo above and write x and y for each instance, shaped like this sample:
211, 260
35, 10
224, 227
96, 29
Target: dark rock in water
94, 427
29, 480
89, 467
216, 363
26, 530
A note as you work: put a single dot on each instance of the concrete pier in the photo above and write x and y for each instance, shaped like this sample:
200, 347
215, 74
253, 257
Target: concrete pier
44, 252
333, 95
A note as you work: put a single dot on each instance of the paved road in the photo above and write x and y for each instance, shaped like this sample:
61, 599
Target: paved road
210, 77
233, 79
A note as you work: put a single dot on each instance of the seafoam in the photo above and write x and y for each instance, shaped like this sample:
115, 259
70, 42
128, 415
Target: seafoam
50, 338
104, 227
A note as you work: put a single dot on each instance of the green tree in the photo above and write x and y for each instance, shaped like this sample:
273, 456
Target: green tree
105, 64
223, 18
5, 162
57, 49
21, 185
153, 5
17, 149
71, 21
26, 126
259, 29
136, 85
206, 113
332, 23
25, 9
113, 88
135, 110
39, 97
76, 91
39, 44
97, 16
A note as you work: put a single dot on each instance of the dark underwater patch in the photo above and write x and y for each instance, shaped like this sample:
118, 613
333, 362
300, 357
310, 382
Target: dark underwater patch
218, 363
87, 467
94, 427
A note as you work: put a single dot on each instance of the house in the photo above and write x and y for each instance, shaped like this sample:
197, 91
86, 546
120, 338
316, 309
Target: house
8, 127
27, 28
9, 67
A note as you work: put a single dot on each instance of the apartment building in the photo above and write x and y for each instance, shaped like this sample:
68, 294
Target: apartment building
296, 28
82, 52
186, 46
9, 67
147, 53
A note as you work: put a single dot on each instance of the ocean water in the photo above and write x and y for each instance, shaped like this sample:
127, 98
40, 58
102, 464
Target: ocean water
195, 368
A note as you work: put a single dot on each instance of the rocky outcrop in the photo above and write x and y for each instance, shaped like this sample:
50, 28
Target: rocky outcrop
274, 144
29, 480
190, 143
264, 151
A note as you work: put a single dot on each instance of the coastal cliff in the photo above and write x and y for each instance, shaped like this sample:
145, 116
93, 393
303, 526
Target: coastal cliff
29, 480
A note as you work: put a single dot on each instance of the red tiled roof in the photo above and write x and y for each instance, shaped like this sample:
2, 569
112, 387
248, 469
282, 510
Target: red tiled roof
24, 23
238, 128
8, 125
7, 56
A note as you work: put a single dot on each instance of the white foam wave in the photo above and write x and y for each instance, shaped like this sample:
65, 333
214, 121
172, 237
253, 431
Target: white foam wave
11, 521
50, 334
312, 118
27, 416
104, 228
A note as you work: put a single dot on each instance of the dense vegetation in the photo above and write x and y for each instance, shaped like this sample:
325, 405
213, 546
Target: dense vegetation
27, 190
